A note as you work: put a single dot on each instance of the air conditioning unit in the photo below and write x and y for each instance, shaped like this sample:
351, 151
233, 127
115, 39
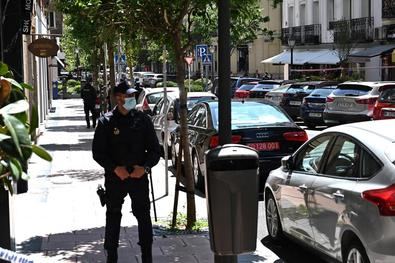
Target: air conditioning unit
51, 20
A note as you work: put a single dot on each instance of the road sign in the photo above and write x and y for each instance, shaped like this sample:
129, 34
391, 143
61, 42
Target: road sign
207, 59
188, 60
201, 50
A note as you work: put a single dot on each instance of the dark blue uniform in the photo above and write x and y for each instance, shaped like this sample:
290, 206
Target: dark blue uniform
126, 140
88, 94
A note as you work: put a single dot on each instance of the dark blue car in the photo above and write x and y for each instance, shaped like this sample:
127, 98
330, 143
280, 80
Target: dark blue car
313, 106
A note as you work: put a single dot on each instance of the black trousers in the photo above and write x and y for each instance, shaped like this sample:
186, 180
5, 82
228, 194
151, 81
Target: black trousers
138, 191
90, 108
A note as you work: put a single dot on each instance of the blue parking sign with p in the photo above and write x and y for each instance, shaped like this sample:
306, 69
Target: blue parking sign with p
201, 50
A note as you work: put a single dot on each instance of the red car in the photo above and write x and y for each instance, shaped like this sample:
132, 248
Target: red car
244, 90
385, 104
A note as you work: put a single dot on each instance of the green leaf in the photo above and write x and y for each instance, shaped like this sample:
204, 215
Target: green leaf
8, 121
15, 168
16, 107
41, 152
33, 120
25, 176
3, 69
13, 82
26, 86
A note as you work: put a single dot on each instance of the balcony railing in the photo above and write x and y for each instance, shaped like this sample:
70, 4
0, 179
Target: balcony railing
388, 9
359, 29
303, 35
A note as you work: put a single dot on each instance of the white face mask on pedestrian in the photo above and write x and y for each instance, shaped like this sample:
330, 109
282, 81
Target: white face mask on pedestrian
130, 103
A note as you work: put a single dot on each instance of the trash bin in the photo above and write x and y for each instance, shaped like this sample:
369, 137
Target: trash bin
232, 198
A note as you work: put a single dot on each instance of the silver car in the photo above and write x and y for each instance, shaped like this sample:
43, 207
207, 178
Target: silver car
336, 193
352, 102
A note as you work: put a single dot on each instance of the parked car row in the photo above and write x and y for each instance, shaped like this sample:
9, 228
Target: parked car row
326, 102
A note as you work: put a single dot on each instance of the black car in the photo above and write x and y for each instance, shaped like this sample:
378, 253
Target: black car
313, 106
293, 96
235, 83
263, 87
261, 125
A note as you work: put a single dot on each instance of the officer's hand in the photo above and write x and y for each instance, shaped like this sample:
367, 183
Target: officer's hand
138, 171
121, 172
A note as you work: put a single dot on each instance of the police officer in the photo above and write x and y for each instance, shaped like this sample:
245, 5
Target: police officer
126, 146
88, 94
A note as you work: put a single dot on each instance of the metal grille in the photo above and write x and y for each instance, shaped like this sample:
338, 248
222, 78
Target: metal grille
308, 34
361, 29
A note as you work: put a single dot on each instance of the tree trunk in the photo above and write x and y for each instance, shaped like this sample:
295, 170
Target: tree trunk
189, 182
95, 69
110, 47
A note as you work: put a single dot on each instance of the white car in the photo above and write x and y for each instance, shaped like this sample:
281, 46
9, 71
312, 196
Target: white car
149, 97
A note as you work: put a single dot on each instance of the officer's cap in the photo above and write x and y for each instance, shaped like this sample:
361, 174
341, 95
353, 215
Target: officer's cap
124, 88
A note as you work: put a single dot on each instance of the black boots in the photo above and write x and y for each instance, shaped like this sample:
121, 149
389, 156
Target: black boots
112, 256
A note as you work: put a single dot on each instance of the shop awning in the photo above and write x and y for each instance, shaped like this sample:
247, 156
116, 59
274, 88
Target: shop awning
303, 56
373, 51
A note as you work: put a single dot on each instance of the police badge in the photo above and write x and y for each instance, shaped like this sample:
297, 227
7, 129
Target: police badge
116, 131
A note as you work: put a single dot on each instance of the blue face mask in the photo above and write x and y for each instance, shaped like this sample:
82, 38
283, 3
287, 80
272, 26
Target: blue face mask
130, 103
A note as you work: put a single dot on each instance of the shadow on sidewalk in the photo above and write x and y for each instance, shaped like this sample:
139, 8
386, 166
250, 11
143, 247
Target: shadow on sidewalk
80, 175
83, 145
70, 128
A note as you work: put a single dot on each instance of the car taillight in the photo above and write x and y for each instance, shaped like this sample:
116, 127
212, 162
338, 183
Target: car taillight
366, 101
329, 99
296, 136
377, 112
384, 199
145, 105
214, 141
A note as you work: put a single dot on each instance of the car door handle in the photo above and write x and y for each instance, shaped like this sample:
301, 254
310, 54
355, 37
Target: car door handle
338, 195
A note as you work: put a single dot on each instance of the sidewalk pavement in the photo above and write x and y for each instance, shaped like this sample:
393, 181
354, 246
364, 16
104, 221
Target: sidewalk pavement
60, 219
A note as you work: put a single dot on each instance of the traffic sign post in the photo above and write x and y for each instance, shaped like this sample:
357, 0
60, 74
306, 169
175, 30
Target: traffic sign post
207, 59
189, 61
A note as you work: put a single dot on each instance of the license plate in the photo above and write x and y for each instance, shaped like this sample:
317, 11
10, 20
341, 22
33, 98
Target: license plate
265, 146
389, 113
295, 103
344, 104
315, 114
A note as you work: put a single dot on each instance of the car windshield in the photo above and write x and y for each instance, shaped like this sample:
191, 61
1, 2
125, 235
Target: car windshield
154, 97
245, 115
266, 86
351, 90
388, 95
322, 92
246, 86
280, 89
192, 101
298, 88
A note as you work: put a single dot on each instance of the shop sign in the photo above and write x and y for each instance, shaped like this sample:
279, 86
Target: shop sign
43, 47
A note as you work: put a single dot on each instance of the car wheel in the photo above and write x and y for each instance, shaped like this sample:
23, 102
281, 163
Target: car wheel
273, 223
355, 253
173, 155
197, 175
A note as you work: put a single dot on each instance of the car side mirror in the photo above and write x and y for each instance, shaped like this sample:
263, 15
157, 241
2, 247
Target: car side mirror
287, 163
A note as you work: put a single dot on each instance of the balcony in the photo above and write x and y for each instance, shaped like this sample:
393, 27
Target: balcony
388, 9
303, 35
360, 29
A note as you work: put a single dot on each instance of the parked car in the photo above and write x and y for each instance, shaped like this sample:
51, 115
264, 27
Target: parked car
293, 96
352, 102
263, 126
336, 193
171, 112
263, 87
276, 94
385, 104
313, 106
138, 77
149, 97
155, 79
235, 83
244, 90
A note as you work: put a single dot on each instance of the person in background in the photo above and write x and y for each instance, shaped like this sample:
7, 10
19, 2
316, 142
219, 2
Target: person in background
126, 146
88, 95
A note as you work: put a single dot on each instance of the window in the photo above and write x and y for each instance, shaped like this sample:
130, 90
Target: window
200, 119
369, 165
51, 20
302, 15
344, 158
331, 10
316, 12
309, 160
158, 107
290, 16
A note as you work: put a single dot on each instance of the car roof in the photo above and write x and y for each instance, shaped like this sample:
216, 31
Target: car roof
193, 94
382, 128
157, 90
368, 83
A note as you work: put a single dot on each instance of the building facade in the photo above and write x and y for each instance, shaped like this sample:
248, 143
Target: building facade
328, 34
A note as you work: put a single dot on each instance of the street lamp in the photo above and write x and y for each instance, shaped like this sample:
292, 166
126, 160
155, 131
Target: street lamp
291, 44
212, 50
